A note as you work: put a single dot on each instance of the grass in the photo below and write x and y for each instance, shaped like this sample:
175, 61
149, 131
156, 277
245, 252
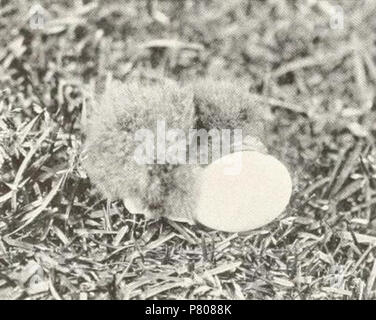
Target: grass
59, 239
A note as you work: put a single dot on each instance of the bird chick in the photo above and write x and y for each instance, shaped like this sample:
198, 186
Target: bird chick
155, 188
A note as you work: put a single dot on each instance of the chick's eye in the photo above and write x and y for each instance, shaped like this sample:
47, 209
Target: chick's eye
243, 114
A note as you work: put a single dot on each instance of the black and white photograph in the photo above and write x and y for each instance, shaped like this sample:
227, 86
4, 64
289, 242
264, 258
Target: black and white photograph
187, 150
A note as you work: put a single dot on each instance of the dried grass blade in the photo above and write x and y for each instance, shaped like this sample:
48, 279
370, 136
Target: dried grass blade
24, 164
31, 216
351, 156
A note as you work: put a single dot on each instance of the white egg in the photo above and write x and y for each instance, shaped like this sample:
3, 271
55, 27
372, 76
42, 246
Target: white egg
242, 191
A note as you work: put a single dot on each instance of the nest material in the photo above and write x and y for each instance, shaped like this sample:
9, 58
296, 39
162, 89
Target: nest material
157, 190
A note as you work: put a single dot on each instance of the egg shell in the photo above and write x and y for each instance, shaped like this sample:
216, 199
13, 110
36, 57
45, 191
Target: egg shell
242, 191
